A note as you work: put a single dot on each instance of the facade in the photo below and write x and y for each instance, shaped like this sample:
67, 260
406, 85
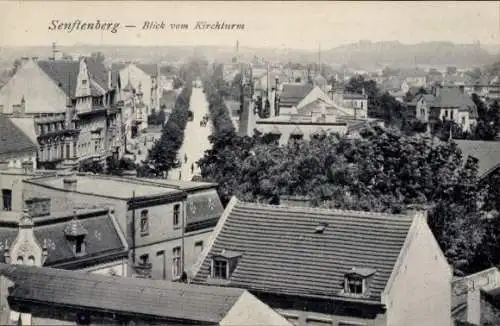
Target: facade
137, 87
331, 267
475, 298
87, 240
166, 223
44, 296
17, 150
68, 106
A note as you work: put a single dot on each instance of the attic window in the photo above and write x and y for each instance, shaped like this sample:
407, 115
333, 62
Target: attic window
224, 264
320, 228
357, 281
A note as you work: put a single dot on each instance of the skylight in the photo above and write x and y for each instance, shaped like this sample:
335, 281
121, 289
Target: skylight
320, 228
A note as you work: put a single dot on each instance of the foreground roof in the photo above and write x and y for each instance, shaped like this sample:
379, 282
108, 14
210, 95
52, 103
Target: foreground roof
282, 254
13, 139
487, 152
162, 299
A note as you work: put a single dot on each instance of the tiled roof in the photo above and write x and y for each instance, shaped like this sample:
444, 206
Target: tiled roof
282, 254
96, 89
487, 152
452, 97
102, 237
292, 94
13, 139
63, 73
98, 72
161, 299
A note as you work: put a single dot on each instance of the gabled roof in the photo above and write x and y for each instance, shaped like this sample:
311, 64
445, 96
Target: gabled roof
487, 152
98, 72
149, 68
146, 297
64, 73
13, 139
451, 97
282, 254
103, 237
292, 94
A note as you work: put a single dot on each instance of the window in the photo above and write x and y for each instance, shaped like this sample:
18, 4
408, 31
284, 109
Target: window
354, 285
31, 261
84, 82
446, 113
451, 114
219, 269
79, 246
176, 262
20, 260
7, 199
177, 213
68, 151
144, 222
350, 323
162, 256
463, 121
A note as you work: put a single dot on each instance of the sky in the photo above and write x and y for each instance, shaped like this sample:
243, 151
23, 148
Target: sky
297, 25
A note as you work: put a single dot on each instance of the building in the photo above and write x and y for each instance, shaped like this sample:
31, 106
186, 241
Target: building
331, 267
69, 106
45, 296
475, 298
486, 152
17, 150
86, 239
167, 223
450, 103
137, 87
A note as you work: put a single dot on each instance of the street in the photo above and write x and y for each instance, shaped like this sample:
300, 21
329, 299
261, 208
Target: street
195, 138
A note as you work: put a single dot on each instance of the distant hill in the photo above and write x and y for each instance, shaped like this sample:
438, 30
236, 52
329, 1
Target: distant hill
362, 55
366, 54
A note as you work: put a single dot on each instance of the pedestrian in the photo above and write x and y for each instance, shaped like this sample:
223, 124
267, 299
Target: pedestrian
185, 158
192, 168
180, 175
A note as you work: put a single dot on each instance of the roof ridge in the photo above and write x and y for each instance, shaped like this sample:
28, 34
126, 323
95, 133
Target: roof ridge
333, 211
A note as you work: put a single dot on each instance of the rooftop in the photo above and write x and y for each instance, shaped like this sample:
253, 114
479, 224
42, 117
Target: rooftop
487, 152
13, 139
292, 94
103, 238
282, 253
168, 300
106, 186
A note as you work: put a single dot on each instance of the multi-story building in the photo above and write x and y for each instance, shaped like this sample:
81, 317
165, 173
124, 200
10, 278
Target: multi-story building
69, 106
166, 223
331, 267
137, 87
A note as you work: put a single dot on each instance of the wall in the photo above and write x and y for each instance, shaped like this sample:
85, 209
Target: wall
39, 91
15, 160
87, 140
14, 181
425, 274
248, 310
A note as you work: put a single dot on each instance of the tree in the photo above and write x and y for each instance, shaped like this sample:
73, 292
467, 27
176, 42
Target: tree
98, 56
488, 126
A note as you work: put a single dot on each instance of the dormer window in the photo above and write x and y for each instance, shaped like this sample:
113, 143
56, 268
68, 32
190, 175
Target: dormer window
84, 82
224, 264
357, 281
76, 233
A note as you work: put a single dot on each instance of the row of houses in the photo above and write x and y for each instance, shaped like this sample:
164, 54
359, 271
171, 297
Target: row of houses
75, 111
295, 264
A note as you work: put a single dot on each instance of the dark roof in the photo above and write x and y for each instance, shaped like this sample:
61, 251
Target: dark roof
98, 72
282, 254
452, 97
202, 207
63, 73
102, 237
292, 94
487, 152
13, 139
149, 68
127, 295
115, 73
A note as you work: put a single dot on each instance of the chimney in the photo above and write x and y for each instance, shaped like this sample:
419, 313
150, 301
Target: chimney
70, 183
296, 201
418, 211
38, 206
